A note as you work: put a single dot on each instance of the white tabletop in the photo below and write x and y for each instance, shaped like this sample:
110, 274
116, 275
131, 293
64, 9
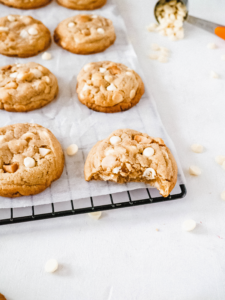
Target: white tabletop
122, 256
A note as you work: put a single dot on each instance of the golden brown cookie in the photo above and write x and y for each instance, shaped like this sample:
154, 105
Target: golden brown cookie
31, 158
109, 87
128, 155
25, 87
25, 4
82, 4
85, 34
2, 297
23, 36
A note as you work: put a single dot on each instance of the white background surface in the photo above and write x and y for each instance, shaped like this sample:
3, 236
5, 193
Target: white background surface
122, 256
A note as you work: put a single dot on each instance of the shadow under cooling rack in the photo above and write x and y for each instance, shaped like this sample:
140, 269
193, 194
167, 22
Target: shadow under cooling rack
88, 205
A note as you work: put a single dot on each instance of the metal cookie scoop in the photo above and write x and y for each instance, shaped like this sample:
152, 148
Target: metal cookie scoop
211, 27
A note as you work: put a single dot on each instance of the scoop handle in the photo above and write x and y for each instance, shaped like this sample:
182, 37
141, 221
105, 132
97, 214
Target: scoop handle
220, 31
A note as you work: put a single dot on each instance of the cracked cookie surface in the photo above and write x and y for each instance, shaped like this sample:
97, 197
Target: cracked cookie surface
82, 4
23, 36
85, 34
128, 155
109, 87
25, 87
25, 4
30, 159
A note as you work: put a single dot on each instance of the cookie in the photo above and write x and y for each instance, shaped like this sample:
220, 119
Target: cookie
25, 87
25, 4
31, 158
109, 87
82, 4
85, 34
2, 297
128, 155
23, 36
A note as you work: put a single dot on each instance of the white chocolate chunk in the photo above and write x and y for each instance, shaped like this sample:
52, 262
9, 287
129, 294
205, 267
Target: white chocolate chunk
214, 74
223, 195
72, 149
87, 67
37, 73
211, 46
11, 18
132, 94
223, 57
148, 152
197, 148
115, 140
86, 87
152, 27
194, 170
24, 34
71, 24
101, 30
153, 56
95, 215
51, 266
94, 16
155, 47
107, 152
220, 159
32, 31
4, 29
189, 225
223, 165
149, 172
13, 75
2, 139
163, 59
102, 70
29, 162
46, 56
116, 170
43, 151
129, 73
111, 87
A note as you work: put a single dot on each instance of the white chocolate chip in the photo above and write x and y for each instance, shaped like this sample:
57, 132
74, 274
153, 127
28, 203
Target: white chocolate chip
13, 75
116, 170
214, 74
223, 57
95, 215
4, 29
51, 266
71, 24
152, 27
29, 162
72, 149
102, 70
194, 170
155, 47
86, 87
223, 195
46, 79
163, 59
37, 73
43, 151
197, 148
148, 152
129, 73
87, 67
115, 140
211, 46
46, 56
108, 78
189, 225
149, 172
32, 31
24, 34
94, 16
11, 18
101, 30
107, 152
220, 159
132, 94
111, 87
223, 165
153, 56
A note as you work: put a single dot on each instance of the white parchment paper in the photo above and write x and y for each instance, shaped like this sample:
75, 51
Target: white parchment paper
72, 122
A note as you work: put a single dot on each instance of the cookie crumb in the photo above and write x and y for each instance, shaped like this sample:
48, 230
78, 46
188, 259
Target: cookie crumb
194, 170
189, 225
51, 266
220, 159
95, 215
46, 56
72, 150
214, 75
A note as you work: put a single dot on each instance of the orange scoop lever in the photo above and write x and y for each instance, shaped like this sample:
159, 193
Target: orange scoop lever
214, 28
220, 31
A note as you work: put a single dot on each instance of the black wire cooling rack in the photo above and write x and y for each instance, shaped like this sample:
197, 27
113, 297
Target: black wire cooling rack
92, 207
